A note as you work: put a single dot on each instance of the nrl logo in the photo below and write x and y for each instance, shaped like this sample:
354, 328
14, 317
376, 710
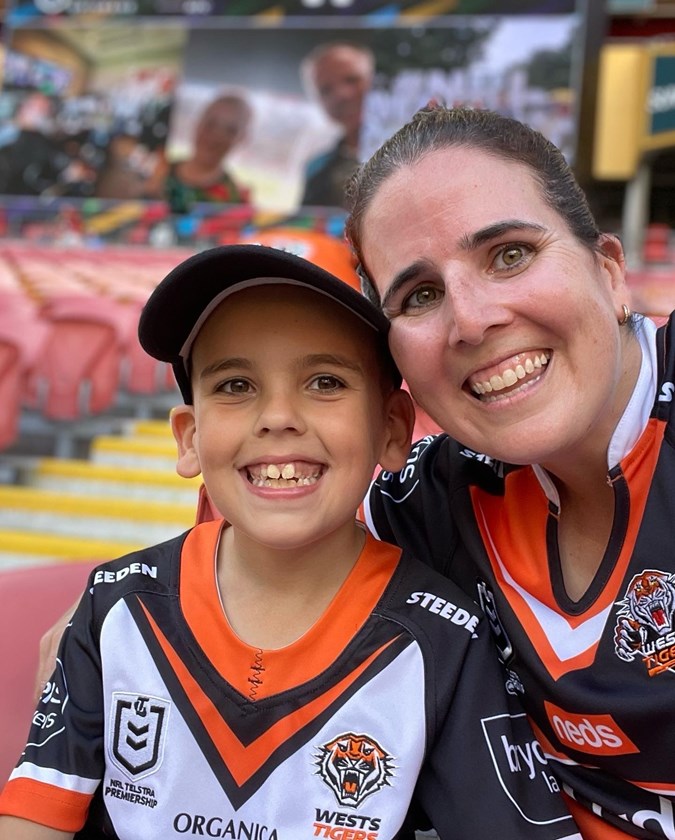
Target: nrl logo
138, 732
354, 767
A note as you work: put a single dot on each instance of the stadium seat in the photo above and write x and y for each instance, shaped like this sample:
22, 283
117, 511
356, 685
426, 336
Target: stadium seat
32, 599
78, 372
11, 382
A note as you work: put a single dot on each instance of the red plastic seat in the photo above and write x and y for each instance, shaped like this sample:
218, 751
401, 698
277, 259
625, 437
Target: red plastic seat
11, 388
78, 372
32, 600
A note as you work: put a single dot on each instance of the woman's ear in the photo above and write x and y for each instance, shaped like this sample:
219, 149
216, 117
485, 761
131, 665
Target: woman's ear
613, 260
184, 428
400, 421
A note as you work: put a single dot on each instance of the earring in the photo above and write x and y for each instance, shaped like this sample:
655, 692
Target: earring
626, 315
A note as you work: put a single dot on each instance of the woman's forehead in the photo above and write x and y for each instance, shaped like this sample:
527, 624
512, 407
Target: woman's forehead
452, 193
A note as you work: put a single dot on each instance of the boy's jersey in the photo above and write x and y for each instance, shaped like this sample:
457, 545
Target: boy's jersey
598, 674
161, 723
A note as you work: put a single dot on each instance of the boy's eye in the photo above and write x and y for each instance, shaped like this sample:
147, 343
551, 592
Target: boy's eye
235, 386
513, 255
326, 383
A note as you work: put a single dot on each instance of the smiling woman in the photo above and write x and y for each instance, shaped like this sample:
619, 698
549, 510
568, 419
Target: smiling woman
510, 321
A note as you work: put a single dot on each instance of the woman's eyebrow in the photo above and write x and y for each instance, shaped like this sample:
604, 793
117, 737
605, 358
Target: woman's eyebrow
471, 241
401, 279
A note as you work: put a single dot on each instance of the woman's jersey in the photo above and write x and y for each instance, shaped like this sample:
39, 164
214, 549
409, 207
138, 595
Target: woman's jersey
596, 676
161, 723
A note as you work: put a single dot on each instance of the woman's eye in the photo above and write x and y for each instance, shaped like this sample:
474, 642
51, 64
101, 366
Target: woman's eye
326, 383
511, 256
421, 297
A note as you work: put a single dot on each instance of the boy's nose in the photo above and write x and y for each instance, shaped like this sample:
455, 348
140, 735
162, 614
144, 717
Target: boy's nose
279, 412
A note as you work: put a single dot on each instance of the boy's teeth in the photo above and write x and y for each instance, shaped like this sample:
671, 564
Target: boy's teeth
273, 471
284, 475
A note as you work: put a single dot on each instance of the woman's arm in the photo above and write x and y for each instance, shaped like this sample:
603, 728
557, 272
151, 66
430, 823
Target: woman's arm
49, 645
12, 828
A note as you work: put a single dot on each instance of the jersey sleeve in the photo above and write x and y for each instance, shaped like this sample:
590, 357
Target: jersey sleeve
408, 508
62, 764
485, 774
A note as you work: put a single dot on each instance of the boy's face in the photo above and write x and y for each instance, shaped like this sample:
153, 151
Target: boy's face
290, 417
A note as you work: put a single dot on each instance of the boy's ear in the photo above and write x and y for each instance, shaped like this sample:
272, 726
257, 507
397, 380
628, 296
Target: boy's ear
400, 422
183, 428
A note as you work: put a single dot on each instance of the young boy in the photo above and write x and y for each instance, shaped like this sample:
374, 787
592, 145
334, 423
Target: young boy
279, 675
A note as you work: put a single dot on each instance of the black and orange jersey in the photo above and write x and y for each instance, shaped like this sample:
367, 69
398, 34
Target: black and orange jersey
159, 722
597, 674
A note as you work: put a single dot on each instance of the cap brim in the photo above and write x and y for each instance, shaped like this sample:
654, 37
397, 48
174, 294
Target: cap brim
180, 304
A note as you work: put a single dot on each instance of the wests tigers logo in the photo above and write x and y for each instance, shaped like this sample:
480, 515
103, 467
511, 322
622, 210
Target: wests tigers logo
647, 612
354, 767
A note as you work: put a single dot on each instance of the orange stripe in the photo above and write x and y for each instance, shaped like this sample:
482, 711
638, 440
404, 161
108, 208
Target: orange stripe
307, 657
243, 761
521, 542
656, 787
591, 826
45, 804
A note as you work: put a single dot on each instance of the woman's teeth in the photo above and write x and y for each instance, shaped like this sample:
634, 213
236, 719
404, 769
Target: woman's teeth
510, 376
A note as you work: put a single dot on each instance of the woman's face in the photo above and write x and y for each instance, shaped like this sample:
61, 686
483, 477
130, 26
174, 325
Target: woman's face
504, 326
221, 127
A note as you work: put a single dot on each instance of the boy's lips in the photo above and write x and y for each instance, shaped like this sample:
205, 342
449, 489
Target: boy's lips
510, 375
284, 474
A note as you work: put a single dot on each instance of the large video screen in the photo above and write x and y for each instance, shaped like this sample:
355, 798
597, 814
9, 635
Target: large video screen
275, 117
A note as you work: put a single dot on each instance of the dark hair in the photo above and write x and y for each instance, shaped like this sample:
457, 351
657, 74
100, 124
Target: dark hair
435, 128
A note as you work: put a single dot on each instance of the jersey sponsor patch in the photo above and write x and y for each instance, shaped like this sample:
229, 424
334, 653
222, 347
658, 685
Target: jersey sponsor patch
591, 734
48, 717
445, 609
516, 755
645, 622
354, 767
138, 732
109, 576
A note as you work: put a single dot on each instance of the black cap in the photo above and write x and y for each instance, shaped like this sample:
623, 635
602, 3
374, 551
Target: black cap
178, 307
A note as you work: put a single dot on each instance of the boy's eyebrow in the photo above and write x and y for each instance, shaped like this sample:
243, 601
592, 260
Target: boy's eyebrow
311, 360
468, 242
316, 359
223, 365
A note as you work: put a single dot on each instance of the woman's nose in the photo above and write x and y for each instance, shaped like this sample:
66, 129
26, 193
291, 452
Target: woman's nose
472, 308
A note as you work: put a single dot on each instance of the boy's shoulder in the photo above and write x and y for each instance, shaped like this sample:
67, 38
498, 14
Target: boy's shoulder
153, 568
422, 597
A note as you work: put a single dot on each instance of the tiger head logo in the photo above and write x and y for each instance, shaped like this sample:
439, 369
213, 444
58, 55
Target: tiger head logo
646, 613
650, 600
354, 767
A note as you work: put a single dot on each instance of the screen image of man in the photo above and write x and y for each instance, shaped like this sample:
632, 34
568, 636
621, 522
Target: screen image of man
338, 75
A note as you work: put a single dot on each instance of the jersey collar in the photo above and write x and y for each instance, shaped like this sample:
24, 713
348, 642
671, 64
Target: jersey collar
634, 419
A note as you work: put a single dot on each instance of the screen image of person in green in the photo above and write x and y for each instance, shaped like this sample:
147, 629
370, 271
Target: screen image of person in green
279, 673
550, 498
203, 177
